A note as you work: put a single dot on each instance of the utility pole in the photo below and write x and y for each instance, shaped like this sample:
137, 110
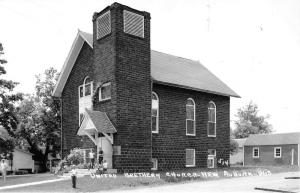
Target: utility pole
208, 15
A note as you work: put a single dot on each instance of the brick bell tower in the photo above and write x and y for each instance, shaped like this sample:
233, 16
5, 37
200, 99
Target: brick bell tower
121, 46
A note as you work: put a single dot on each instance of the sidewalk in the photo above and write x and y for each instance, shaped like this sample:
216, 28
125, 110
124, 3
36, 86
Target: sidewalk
30, 184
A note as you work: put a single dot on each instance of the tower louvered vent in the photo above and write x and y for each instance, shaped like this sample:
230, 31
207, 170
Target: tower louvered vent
133, 24
103, 25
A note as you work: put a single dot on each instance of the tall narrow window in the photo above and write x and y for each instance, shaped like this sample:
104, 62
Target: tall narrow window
155, 112
190, 157
211, 125
85, 92
87, 86
190, 117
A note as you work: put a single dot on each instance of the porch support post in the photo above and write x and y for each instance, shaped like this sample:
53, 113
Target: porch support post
97, 148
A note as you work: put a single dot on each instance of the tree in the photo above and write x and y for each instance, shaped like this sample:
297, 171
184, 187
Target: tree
39, 118
8, 118
249, 122
233, 144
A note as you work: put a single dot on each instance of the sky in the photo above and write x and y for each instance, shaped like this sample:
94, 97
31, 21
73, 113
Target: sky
251, 45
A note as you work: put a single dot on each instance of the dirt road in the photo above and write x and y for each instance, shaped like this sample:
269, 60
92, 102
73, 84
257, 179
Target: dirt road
241, 184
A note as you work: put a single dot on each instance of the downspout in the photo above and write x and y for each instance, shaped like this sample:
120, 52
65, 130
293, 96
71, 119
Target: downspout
61, 133
243, 155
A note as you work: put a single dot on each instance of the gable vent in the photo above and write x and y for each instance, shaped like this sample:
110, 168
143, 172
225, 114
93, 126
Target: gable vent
133, 24
103, 25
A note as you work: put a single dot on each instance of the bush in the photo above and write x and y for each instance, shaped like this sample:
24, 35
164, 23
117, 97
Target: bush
75, 157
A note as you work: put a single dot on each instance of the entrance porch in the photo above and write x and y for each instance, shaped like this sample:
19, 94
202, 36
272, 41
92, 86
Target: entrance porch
97, 126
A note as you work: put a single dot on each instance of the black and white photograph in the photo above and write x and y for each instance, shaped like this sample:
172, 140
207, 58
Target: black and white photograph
138, 96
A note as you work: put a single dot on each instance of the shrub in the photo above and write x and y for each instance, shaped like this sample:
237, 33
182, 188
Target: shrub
75, 157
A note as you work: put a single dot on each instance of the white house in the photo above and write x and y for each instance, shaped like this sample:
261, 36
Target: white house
22, 160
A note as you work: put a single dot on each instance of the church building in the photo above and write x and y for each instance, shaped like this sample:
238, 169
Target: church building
146, 110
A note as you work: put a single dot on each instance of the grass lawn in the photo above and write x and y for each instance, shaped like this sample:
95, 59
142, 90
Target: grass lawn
12, 180
88, 184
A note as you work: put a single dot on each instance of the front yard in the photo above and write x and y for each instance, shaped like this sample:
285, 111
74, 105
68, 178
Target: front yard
121, 181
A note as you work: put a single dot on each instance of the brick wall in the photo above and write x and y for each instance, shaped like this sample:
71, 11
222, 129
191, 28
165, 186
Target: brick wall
81, 69
266, 155
170, 143
124, 60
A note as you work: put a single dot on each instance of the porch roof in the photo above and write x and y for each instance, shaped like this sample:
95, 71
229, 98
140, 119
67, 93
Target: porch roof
100, 121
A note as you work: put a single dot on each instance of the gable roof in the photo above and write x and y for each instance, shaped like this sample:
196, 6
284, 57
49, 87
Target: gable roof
100, 121
273, 139
23, 151
165, 69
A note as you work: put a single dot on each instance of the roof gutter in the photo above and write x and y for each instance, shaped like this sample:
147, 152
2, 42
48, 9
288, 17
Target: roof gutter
192, 88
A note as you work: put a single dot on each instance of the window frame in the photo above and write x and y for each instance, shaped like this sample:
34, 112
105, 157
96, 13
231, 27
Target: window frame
194, 158
155, 163
83, 85
211, 157
157, 116
208, 121
275, 156
186, 119
100, 91
253, 152
213, 161
215, 152
83, 88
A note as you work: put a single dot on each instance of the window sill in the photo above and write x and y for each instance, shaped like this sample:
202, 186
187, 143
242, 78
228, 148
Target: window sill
156, 132
211, 136
194, 135
189, 166
104, 100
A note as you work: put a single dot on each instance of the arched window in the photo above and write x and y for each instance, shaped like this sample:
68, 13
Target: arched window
87, 86
211, 125
155, 113
85, 97
190, 117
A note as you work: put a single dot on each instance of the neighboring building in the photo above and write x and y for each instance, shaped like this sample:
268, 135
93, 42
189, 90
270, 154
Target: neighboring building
145, 109
272, 149
22, 160
237, 158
